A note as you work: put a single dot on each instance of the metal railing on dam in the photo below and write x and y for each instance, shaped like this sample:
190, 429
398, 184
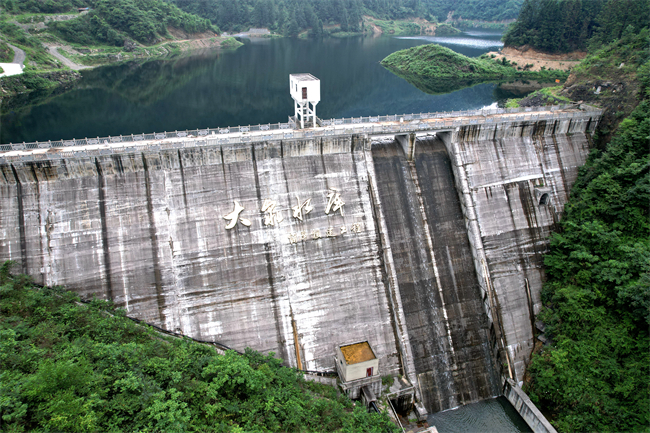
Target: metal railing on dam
373, 125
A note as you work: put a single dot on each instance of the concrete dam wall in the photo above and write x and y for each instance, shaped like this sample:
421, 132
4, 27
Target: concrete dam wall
147, 230
433, 255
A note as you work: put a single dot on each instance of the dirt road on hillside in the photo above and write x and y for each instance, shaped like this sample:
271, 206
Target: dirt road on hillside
53, 49
528, 56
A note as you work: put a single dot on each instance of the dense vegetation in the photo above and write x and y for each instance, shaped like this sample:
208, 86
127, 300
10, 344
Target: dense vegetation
290, 16
568, 25
594, 376
487, 10
67, 366
40, 6
111, 21
436, 69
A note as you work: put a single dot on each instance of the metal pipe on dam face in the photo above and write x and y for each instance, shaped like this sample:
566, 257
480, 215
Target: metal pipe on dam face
298, 246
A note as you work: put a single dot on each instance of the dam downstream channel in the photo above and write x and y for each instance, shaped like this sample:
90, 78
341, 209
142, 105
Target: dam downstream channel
495, 415
421, 237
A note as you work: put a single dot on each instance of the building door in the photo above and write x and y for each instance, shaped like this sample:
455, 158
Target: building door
304, 93
369, 372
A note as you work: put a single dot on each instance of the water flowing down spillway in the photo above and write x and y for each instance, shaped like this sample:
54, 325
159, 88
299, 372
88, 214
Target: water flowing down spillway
447, 324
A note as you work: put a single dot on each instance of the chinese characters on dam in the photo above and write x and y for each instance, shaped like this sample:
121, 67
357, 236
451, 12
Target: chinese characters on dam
273, 216
234, 216
330, 232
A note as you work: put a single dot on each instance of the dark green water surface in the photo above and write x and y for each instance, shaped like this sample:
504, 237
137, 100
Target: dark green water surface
250, 85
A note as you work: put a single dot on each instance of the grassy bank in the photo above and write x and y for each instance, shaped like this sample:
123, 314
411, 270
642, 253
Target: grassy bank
103, 55
409, 27
545, 96
231, 43
436, 69
444, 29
486, 25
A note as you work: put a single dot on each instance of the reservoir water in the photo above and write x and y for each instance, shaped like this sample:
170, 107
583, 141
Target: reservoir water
215, 88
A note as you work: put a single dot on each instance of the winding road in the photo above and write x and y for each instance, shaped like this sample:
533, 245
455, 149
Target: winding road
53, 49
16, 66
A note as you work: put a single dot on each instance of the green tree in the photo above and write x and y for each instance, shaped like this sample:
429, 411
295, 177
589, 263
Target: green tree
292, 27
554, 25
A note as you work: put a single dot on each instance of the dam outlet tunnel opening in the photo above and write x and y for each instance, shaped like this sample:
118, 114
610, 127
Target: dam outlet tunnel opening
445, 317
403, 404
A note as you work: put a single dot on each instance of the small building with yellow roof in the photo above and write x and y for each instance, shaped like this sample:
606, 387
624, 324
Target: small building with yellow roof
357, 361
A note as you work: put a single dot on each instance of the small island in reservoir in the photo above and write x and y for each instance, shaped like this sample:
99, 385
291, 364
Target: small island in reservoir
436, 69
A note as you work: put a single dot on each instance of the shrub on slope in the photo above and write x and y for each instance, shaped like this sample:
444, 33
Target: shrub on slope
67, 366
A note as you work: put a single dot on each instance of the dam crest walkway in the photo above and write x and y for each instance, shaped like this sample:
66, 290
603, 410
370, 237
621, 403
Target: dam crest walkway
374, 126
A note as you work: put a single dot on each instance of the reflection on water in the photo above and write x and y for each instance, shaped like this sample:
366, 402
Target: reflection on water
489, 416
483, 33
471, 43
215, 88
455, 40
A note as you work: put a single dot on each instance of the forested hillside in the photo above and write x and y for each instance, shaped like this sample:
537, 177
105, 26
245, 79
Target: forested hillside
109, 21
487, 10
72, 367
559, 26
112, 21
289, 16
594, 375
38, 6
